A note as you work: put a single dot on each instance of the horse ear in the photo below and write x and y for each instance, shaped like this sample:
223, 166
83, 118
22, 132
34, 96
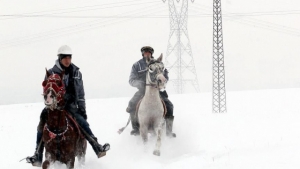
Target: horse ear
47, 73
159, 59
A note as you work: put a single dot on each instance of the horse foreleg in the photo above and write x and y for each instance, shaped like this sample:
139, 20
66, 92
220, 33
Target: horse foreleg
158, 141
81, 152
46, 164
70, 164
144, 132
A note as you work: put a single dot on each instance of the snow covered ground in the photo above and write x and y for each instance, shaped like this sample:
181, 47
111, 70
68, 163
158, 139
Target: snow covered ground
261, 130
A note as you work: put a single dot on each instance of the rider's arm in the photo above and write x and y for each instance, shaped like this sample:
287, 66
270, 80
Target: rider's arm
134, 78
81, 94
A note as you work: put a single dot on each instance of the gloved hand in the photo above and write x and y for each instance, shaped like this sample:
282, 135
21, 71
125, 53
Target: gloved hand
163, 94
82, 112
140, 84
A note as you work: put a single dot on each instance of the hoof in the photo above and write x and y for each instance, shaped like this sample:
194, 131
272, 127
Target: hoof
156, 152
135, 133
101, 154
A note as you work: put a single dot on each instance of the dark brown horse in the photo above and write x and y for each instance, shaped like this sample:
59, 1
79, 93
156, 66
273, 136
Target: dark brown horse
61, 136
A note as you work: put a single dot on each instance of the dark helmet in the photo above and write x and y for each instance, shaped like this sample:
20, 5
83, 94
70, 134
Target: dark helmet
147, 49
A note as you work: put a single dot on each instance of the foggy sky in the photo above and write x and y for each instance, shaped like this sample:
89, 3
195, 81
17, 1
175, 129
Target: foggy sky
261, 46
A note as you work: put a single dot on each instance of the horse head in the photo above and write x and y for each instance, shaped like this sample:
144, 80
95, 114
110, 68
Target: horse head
156, 73
53, 90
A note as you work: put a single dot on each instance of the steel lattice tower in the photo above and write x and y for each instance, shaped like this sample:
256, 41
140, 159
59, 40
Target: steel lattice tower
219, 92
179, 59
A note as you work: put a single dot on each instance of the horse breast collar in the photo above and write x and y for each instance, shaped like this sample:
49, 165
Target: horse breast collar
53, 135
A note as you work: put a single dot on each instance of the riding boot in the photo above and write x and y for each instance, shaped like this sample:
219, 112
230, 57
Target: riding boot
86, 130
37, 159
98, 148
135, 125
169, 126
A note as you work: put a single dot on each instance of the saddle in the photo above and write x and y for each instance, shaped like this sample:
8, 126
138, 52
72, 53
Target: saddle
164, 105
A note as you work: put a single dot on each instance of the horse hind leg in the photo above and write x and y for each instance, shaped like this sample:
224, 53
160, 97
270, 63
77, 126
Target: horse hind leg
158, 141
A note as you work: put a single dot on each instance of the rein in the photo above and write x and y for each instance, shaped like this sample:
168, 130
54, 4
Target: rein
152, 85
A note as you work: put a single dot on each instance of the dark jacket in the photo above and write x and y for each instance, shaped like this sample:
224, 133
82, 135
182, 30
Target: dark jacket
79, 95
137, 76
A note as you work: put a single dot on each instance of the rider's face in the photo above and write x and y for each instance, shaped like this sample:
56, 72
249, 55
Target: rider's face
147, 55
66, 61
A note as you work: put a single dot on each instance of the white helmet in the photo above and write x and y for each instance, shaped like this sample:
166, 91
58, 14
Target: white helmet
64, 50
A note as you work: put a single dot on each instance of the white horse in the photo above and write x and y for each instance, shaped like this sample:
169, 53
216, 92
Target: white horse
151, 109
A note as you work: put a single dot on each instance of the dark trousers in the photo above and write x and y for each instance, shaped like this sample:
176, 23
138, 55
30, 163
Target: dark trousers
73, 110
169, 104
134, 101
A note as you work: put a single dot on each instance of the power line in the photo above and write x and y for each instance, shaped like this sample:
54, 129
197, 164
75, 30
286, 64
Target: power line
14, 16
250, 13
259, 23
77, 26
70, 31
89, 17
162, 16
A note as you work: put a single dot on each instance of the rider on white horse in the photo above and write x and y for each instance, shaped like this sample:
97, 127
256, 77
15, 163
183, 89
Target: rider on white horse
138, 79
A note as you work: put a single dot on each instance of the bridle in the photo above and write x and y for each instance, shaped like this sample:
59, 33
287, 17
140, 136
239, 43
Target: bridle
54, 85
157, 69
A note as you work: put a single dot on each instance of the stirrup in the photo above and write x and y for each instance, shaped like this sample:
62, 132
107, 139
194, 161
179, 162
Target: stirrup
135, 132
171, 135
103, 150
34, 160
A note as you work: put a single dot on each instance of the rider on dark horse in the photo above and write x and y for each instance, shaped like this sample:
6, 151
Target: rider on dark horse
138, 79
74, 102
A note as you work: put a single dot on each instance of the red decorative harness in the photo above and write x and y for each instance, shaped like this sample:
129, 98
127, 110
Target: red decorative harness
55, 84
53, 135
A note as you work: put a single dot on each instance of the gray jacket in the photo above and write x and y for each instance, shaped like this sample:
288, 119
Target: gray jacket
137, 76
78, 83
